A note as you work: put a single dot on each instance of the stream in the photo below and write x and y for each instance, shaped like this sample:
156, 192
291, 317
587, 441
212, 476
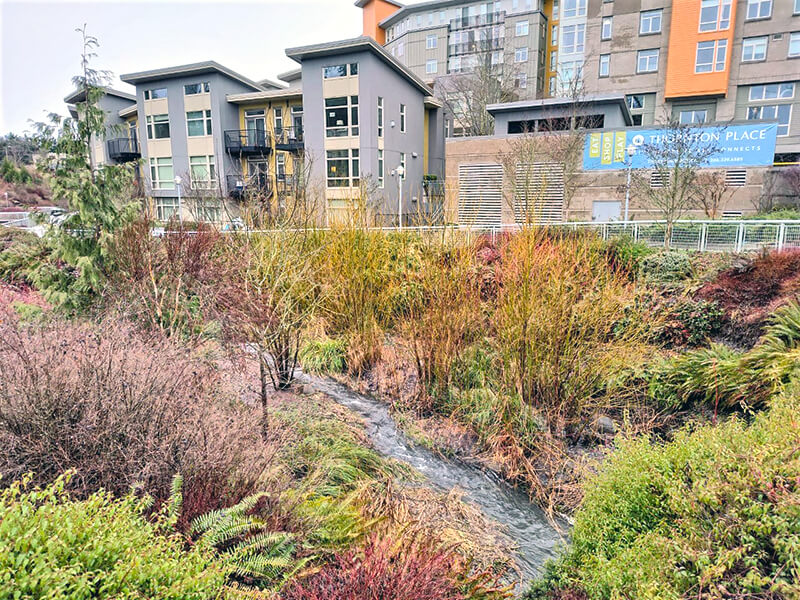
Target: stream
523, 521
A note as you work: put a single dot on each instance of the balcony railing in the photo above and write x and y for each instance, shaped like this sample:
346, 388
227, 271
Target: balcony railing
248, 142
240, 185
478, 20
476, 46
289, 139
123, 149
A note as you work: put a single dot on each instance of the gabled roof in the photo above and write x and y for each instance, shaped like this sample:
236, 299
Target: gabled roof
208, 66
355, 45
363, 3
80, 95
265, 95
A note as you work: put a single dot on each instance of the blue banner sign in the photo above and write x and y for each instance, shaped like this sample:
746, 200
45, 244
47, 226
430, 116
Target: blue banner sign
736, 145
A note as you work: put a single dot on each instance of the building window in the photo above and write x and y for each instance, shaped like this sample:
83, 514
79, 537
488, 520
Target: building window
759, 9
198, 122
157, 127
797, 7
155, 94
555, 10
772, 112
343, 168
196, 88
647, 61
522, 80
650, 22
402, 118
380, 117
572, 38
341, 116
754, 49
794, 44
454, 64
431, 66
689, 117
161, 174
606, 30
715, 15
553, 60
166, 208
522, 28
336, 71
403, 164
497, 58
554, 36
771, 91
574, 8
605, 65
380, 169
552, 85
278, 115
203, 172
431, 42
570, 72
711, 56
635, 101
401, 48
521, 55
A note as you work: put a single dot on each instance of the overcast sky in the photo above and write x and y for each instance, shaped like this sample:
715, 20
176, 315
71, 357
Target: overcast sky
40, 51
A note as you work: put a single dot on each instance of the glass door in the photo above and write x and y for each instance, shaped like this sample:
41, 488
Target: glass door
256, 127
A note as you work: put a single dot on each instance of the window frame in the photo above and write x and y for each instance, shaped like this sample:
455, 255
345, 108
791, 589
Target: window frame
381, 173
794, 38
380, 117
693, 112
607, 63
554, 35
151, 125
721, 6
148, 94
518, 54
205, 88
351, 110
639, 54
610, 21
205, 123
350, 70
567, 9
578, 32
403, 123
156, 182
714, 63
352, 159
759, 4
765, 88
649, 16
431, 42
519, 25
428, 70
777, 107
751, 41
210, 165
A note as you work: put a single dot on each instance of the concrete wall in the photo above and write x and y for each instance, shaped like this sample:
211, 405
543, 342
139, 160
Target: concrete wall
612, 114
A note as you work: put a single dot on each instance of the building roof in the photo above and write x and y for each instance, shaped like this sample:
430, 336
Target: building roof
363, 3
208, 66
127, 112
555, 103
292, 75
418, 7
268, 84
354, 45
265, 95
79, 95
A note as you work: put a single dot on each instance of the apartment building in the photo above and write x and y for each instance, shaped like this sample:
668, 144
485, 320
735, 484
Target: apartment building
207, 137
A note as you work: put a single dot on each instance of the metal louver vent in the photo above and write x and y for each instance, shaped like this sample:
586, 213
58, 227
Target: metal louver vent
736, 177
480, 195
539, 193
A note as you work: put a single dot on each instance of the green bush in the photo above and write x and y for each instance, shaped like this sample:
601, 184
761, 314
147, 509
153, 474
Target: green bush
666, 267
13, 174
690, 322
625, 253
324, 356
713, 514
54, 547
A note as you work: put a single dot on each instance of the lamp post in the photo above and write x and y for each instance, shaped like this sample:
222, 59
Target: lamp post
180, 207
631, 151
401, 172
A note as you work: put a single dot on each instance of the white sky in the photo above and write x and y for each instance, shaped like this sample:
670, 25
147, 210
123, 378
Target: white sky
40, 50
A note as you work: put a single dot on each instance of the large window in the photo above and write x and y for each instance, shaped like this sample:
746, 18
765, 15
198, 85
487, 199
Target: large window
522, 28
198, 122
196, 88
341, 116
521, 55
772, 112
711, 56
155, 94
570, 72
647, 61
572, 38
759, 9
381, 167
650, 22
380, 117
554, 36
573, 8
162, 176
335, 71
402, 118
431, 66
157, 127
635, 101
166, 208
203, 172
772, 91
690, 117
606, 30
715, 15
605, 65
794, 44
431, 42
343, 168
754, 49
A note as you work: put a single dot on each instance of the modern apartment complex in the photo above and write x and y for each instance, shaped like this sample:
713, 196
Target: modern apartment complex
207, 137
696, 60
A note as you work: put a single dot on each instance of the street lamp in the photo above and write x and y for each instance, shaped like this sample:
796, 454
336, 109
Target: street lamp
180, 208
401, 172
631, 151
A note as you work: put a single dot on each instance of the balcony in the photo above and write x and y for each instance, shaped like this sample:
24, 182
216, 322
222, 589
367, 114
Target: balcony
495, 18
123, 149
248, 142
476, 46
289, 139
240, 186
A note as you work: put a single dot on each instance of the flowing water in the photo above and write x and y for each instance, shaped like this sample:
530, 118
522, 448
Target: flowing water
524, 522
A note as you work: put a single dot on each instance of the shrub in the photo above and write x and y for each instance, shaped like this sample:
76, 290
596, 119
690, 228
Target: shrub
121, 410
666, 267
324, 356
689, 322
712, 514
383, 569
53, 546
20, 255
625, 254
